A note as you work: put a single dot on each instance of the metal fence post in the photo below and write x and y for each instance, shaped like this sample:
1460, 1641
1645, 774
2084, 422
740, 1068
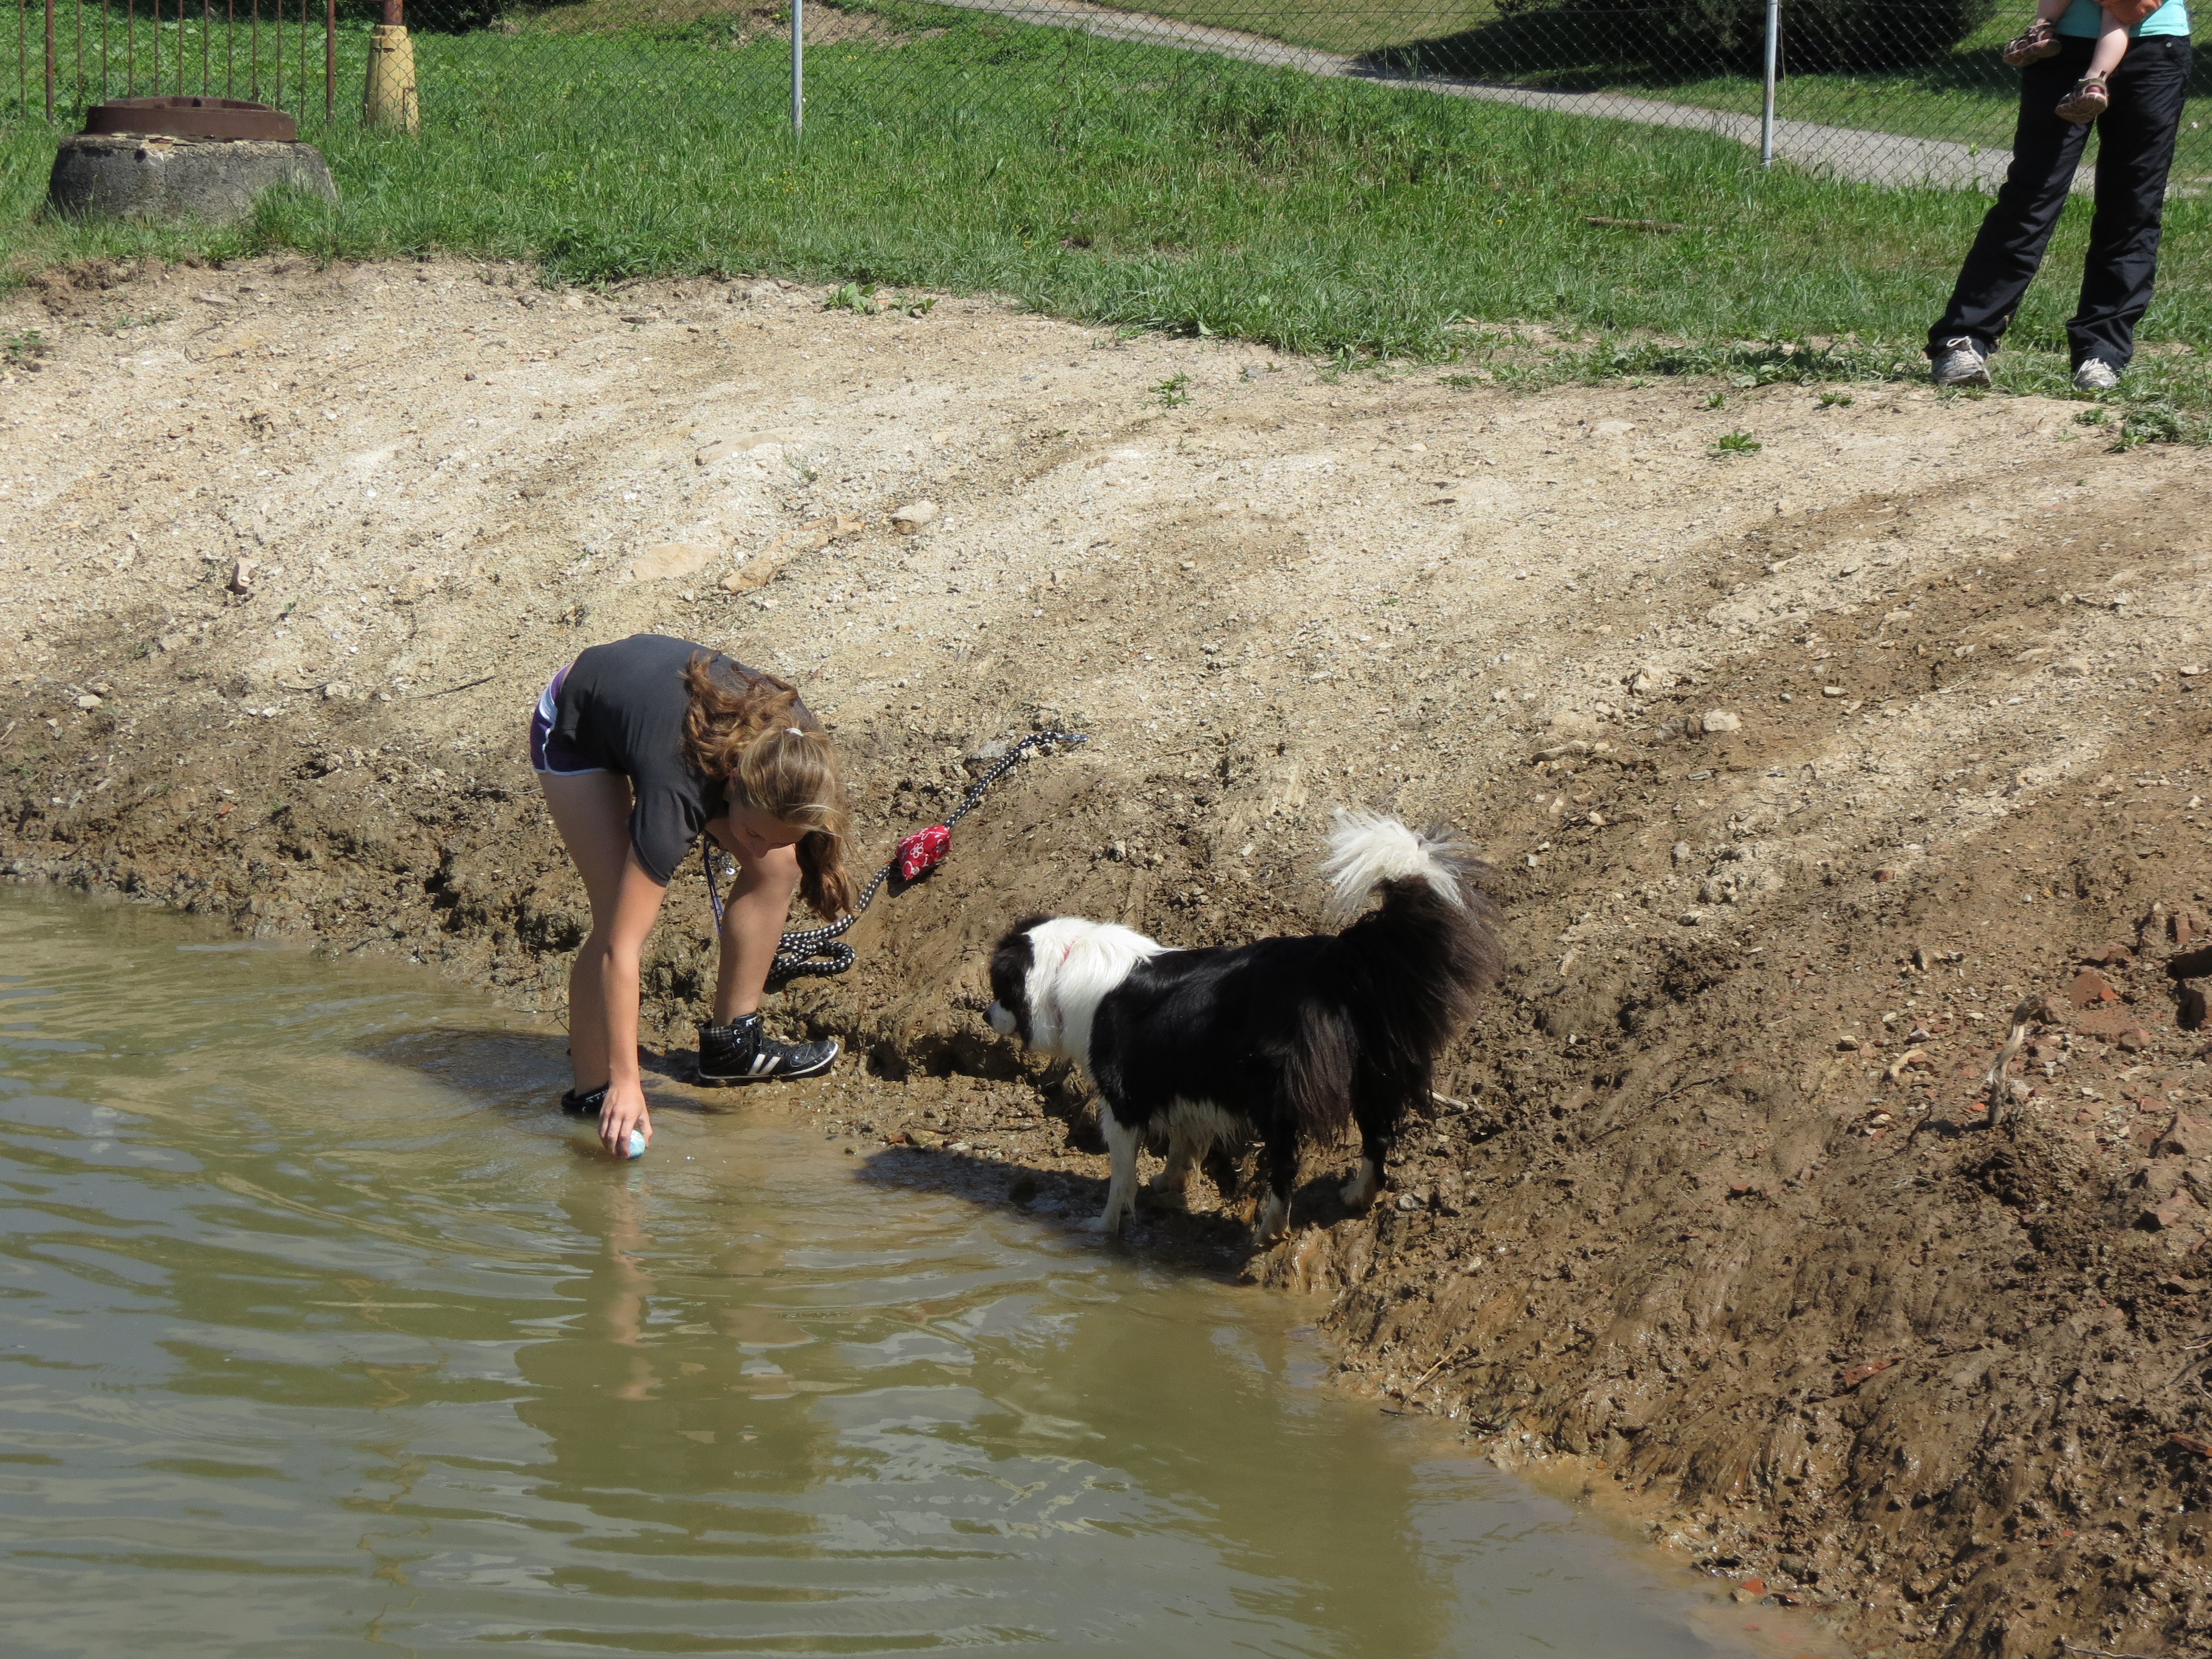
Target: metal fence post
1766, 100
50, 59
798, 67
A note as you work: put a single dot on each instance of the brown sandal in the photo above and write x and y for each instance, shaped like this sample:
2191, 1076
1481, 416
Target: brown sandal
2041, 41
2087, 101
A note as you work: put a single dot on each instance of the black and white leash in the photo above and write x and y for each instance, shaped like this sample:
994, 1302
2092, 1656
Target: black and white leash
815, 952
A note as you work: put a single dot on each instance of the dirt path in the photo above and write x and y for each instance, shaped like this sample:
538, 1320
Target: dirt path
1800, 767
1854, 153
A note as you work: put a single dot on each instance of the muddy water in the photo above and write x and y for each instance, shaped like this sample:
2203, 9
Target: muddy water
319, 1332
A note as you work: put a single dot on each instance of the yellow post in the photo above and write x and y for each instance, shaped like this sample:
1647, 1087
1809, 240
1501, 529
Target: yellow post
390, 100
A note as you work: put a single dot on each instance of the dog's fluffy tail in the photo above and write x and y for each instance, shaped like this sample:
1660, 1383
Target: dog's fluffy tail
1367, 851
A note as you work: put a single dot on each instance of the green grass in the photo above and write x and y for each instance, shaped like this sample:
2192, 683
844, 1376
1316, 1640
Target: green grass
1135, 186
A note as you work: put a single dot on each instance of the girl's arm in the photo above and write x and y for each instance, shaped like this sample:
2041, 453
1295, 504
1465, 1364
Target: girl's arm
637, 901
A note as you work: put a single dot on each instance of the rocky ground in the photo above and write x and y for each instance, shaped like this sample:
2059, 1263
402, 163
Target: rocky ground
1801, 768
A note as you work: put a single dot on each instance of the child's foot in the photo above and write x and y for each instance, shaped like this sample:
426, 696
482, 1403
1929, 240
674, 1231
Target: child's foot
2041, 41
741, 1052
2087, 101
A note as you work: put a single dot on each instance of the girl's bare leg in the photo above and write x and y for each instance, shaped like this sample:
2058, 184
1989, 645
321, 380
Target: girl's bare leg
591, 812
753, 926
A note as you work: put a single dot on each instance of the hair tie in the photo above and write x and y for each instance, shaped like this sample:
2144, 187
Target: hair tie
795, 731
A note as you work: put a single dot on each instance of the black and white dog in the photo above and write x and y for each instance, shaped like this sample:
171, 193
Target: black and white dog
1276, 1040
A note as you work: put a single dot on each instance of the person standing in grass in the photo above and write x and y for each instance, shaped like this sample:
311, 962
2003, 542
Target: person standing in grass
2137, 127
642, 746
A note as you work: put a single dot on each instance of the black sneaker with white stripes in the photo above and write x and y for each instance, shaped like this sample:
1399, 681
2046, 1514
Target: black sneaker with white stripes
741, 1052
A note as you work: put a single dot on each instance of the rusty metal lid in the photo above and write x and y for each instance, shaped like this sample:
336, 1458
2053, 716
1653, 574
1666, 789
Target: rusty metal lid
192, 118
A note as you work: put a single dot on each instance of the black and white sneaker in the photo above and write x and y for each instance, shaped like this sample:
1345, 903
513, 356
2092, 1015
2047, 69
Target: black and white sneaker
741, 1052
590, 1101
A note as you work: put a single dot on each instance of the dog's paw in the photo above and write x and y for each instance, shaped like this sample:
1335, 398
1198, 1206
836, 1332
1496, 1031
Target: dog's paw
1358, 1192
1273, 1224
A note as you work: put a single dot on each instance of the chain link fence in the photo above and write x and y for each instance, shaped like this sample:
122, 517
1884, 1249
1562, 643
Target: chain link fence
1876, 90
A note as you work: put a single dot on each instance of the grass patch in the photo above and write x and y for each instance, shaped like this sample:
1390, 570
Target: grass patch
1131, 185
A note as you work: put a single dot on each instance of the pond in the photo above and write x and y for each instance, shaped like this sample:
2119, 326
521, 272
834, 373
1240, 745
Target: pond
324, 1332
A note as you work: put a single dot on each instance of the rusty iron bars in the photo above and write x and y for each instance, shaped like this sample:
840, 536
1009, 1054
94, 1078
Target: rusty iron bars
80, 65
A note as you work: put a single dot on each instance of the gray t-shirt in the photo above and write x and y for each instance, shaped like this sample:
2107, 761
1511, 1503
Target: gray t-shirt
621, 707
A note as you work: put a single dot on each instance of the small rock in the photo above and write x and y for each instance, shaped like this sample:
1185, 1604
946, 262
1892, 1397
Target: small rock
220, 301
1847, 1045
1865, 1369
2133, 1041
2190, 1137
1681, 854
671, 559
1885, 873
1411, 1200
2113, 956
2089, 986
2186, 926
241, 576
925, 1140
2156, 1217
87, 701
2189, 1009
1612, 429
338, 691
1831, 690
1649, 680
1720, 720
910, 518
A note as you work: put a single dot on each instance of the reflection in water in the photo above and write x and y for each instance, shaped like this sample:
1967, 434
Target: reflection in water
323, 1330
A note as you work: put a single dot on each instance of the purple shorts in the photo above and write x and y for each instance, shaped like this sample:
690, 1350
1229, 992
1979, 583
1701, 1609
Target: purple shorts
548, 754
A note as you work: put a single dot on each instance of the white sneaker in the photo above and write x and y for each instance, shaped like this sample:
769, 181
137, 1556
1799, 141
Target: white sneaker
2096, 375
1961, 364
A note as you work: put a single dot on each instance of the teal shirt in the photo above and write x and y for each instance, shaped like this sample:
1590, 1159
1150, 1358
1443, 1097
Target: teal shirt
2087, 17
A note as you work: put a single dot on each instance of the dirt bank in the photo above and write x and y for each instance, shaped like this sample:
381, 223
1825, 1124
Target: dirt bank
1801, 768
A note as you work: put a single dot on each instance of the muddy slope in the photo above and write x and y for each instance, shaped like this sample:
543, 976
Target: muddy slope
1801, 770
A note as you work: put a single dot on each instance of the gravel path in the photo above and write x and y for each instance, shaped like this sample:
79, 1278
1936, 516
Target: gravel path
1853, 153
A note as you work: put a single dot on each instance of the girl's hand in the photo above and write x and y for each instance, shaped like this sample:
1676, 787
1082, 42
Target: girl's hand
622, 1110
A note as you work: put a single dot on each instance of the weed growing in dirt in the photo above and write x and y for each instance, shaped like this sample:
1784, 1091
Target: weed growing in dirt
1137, 186
1737, 443
18, 350
858, 297
1837, 400
1173, 391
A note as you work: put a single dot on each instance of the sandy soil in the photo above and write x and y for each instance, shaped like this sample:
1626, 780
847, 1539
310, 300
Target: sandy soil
1800, 769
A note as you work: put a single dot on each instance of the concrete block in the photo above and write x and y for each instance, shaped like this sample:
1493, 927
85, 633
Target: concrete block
133, 176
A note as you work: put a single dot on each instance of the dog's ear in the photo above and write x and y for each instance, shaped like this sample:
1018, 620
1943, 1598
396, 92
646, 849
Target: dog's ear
1035, 918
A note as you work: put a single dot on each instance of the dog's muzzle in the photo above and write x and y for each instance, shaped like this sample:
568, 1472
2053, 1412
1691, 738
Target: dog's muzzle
1001, 1021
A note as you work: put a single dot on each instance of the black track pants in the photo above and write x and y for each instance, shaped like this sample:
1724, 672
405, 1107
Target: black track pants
2134, 148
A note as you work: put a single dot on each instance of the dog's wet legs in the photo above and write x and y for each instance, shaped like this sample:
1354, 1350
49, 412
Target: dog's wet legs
1282, 1159
1122, 1189
1367, 1181
1169, 1189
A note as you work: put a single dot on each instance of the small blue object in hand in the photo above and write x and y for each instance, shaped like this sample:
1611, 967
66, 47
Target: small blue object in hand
637, 1143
